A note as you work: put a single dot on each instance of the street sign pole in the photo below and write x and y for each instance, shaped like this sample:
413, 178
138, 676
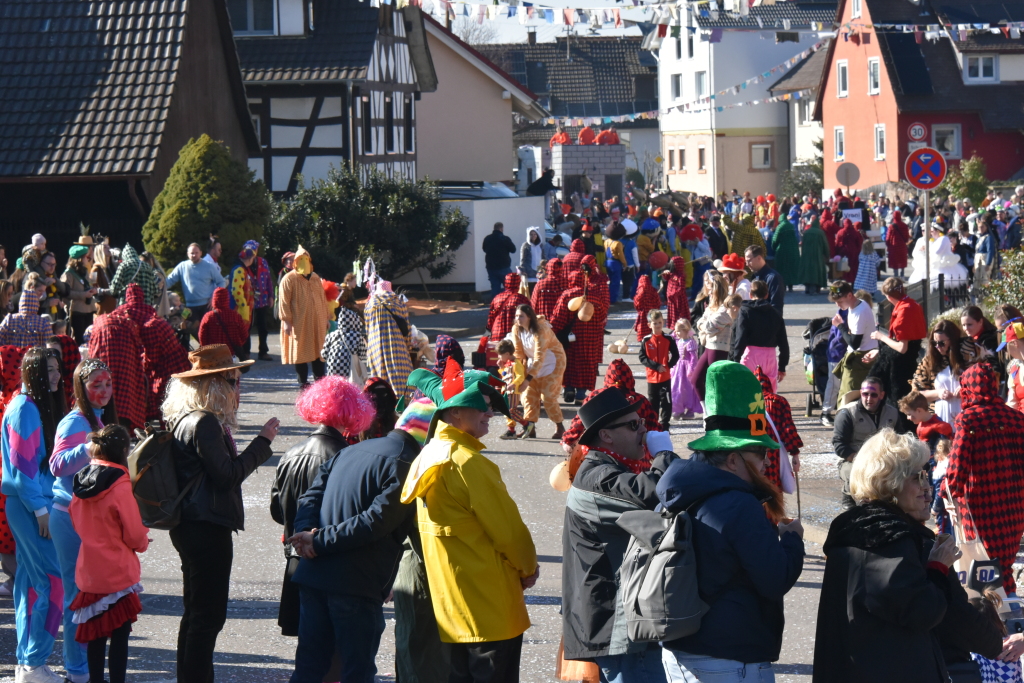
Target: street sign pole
926, 235
925, 169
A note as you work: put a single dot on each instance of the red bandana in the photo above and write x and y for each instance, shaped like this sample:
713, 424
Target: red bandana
634, 466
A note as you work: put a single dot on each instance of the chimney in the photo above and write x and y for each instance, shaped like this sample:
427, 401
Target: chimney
531, 35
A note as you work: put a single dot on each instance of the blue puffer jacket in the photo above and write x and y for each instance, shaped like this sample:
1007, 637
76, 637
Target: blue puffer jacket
743, 568
836, 344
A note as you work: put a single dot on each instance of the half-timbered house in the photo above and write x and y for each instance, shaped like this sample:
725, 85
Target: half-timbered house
331, 81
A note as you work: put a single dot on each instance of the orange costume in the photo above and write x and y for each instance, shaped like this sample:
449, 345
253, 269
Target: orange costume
607, 137
586, 136
560, 139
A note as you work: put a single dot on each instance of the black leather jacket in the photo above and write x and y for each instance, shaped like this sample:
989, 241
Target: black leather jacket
296, 471
205, 448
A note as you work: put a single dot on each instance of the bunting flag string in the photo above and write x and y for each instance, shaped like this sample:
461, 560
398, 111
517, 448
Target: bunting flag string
597, 120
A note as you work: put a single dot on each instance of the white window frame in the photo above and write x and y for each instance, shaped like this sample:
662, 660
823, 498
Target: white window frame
249, 13
671, 158
805, 112
682, 159
676, 86
880, 142
855, 9
957, 152
753, 163
874, 76
981, 78
702, 159
839, 141
842, 78
700, 85
690, 41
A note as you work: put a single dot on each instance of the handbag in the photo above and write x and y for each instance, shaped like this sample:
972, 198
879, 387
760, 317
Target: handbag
566, 336
357, 373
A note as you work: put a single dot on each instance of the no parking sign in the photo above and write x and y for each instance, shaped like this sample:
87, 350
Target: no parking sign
925, 168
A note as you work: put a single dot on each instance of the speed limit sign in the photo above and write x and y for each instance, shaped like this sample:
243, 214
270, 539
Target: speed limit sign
917, 132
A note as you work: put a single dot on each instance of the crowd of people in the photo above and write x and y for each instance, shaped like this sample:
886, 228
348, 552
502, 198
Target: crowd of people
391, 498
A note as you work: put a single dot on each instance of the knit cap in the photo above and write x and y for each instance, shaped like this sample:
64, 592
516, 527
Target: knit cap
415, 419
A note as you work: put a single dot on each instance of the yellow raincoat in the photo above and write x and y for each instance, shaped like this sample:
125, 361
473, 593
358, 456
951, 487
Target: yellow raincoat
475, 544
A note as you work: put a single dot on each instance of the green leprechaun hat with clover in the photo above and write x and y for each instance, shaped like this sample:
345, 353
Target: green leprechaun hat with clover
734, 417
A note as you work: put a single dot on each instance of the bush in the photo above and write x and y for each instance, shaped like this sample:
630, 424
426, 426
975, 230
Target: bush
355, 214
636, 176
805, 180
967, 179
207, 192
1008, 286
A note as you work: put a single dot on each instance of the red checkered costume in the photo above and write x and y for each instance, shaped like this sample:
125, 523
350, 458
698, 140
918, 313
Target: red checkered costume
583, 355
785, 432
571, 261
115, 340
985, 467
617, 376
503, 308
221, 324
71, 357
675, 292
547, 291
645, 301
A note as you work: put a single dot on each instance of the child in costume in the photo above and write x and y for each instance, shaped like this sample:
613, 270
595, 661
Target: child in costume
938, 435
658, 354
513, 373
783, 430
107, 574
685, 402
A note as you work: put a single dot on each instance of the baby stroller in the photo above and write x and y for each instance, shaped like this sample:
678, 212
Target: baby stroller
816, 361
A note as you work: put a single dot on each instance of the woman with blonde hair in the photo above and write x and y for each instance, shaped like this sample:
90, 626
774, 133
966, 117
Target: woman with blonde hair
100, 276
544, 359
200, 408
714, 330
888, 593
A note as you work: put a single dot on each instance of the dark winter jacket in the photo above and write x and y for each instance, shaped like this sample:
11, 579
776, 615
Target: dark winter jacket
497, 246
854, 425
354, 503
776, 287
593, 547
296, 471
206, 448
759, 324
884, 609
743, 567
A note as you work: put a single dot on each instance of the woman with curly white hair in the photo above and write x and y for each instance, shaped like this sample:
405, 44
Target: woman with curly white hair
891, 607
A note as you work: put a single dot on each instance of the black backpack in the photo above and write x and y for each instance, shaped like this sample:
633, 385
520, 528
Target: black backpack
152, 465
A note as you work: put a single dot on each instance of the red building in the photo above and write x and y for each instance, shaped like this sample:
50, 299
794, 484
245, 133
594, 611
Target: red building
887, 91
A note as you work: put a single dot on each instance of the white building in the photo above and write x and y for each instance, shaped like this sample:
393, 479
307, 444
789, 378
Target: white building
804, 131
708, 151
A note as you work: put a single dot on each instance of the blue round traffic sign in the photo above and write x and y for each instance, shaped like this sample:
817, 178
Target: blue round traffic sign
925, 168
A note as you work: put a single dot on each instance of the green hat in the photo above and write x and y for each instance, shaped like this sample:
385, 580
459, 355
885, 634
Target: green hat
458, 389
78, 251
735, 410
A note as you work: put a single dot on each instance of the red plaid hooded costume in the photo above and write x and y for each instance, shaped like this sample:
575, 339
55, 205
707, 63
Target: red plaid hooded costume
571, 262
222, 324
985, 472
645, 300
896, 239
675, 291
848, 244
785, 432
617, 376
503, 308
115, 340
71, 357
585, 354
547, 291
828, 224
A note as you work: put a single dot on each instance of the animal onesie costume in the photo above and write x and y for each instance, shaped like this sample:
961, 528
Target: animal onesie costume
533, 349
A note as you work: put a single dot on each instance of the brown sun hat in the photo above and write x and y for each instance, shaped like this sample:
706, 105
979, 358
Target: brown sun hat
86, 240
211, 359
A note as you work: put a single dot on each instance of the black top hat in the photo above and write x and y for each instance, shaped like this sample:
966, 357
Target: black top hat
601, 410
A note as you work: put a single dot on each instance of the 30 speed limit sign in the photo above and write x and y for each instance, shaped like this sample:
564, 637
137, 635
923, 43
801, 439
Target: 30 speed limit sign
917, 132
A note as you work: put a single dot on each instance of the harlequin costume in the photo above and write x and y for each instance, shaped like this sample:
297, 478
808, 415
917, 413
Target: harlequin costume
617, 376
676, 287
348, 339
583, 355
547, 291
503, 308
116, 341
781, 429
984, 472
243, 287
388, 343
645, 300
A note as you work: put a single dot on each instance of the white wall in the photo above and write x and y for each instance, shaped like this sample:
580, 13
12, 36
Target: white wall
802, 137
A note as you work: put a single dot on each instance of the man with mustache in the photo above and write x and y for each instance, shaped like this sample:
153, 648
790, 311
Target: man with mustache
748, 557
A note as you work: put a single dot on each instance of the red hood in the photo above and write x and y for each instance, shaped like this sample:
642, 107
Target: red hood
578, 279
512, 282
133, 295
620, 376
979, 386
220, 301
678, 265
766, 383
826, 215
578, 247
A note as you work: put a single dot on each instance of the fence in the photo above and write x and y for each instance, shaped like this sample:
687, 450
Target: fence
941, 299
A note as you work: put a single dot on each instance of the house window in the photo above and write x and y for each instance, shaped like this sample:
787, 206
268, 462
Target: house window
855, 9
682, 159
409, 128
252, 17
946, 139
701, 159
389, 124
839, 137
689, 44
842, 79
874, 76
677, 86
701, 83
679, 49
805, 111
366, 117
761, 157
879, 141
981, 69
671, 159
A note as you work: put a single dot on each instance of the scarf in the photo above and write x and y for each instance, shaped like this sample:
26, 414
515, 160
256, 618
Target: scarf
634, 466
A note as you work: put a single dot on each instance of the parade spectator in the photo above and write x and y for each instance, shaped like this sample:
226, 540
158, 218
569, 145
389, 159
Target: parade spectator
889, 598
867, 269
336, 407
733, 269
928, 427
980, 329
560, 138
645, 301
658, 355
213, 251
938, 374
848, 244
616, 475
481, 615
52, 300
897, 239
716, 238
26, 327
586, 136
855, 328
584, 354
6, 299
133, 270
304, 318
714, 330
27, 436
746, 555
986, 255
1014, 346
608, 136
497, 246
897, 354
263, 301
201, 410
531, 254
79, 291
347, 343
676, 288
502, 313
983, 476
755, 261
786, 244
100, 276
757, 333
543, 357
615, 259
783, 430
222, 325
106, 515
546, 293
70, 357
243, 293
814, 256
858, 421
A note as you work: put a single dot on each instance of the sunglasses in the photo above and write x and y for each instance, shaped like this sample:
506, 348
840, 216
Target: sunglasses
760, 455
940, 344
634, 425
870, 394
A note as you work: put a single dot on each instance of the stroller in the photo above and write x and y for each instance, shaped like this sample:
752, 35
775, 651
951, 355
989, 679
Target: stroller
816, 361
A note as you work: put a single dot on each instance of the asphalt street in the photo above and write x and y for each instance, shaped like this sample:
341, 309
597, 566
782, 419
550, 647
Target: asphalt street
251, 649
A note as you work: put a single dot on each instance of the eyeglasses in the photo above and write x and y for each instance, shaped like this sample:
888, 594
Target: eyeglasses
760, 455
924, 480
634, 425
940, 344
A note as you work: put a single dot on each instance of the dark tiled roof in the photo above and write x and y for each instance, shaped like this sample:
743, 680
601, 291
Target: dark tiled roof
799, 14
903, 58
85, 85
595, 78
805, 75
339, 48
982, 12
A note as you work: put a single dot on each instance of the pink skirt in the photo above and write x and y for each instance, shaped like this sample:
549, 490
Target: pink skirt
766, 358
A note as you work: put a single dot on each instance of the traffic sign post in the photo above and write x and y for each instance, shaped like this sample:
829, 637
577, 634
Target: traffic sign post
926, 169
847, 174
917, 132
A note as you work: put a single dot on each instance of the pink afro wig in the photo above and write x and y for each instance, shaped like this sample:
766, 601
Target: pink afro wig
335, 402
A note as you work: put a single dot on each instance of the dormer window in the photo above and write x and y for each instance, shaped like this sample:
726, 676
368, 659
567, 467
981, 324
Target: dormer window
980, 69
252, 17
